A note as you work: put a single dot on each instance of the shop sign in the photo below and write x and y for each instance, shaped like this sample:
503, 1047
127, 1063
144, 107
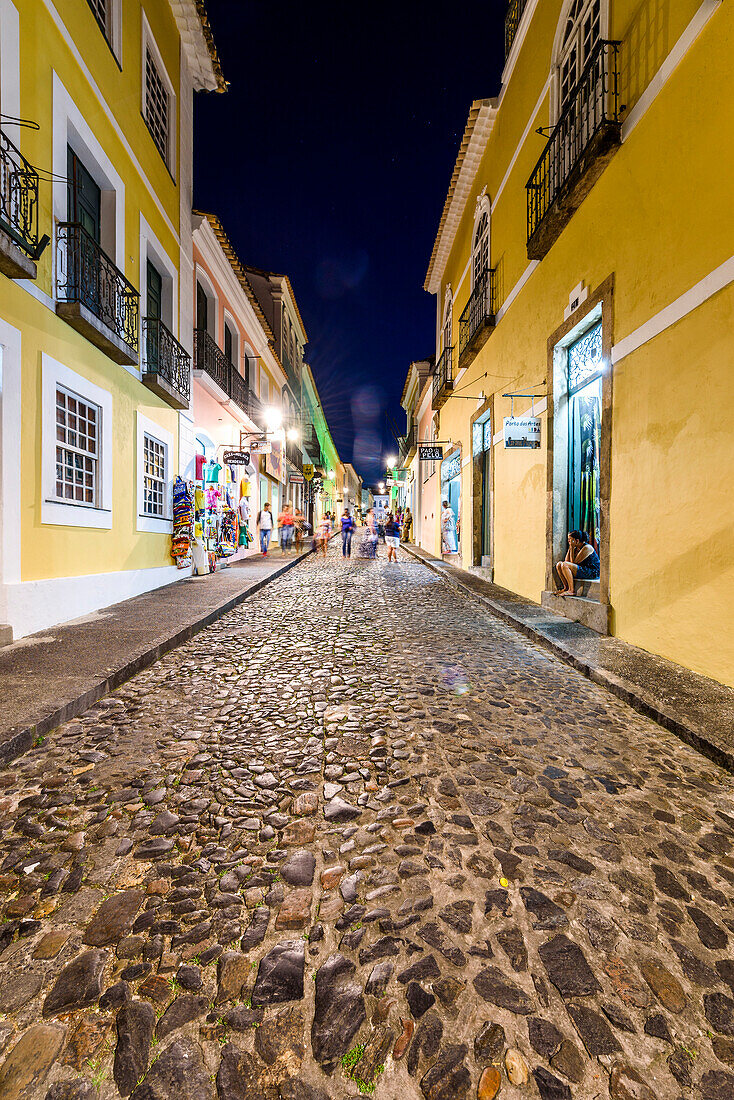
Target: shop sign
308, 470
236, 458
274, 460
429, 454
522, 431
261, 447
296, 479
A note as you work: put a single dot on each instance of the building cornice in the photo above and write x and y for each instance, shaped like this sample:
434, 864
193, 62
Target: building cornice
478, 128
198, 45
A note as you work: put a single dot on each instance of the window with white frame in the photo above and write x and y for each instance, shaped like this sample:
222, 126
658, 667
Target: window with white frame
102, 12
154, 476
581, 34
157, 104
77, 449
480, 249
448, 317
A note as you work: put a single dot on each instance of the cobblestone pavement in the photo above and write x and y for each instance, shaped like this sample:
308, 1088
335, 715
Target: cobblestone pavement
359, 836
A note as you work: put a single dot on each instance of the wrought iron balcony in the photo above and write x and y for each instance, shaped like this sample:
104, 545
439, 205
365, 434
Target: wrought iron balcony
443, 378
20, 247
293, 453
210, 358
93, 295
512, 22
477, 319
408, 445
582, 142
167, 370
310, 441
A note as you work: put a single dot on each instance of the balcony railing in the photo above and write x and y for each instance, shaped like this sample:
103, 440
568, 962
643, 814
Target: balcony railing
512, 22
167, 364
94, 296
582, 141
477, 319
19, 201
311, 441
408, 444
209, 357
443, 378
293, 453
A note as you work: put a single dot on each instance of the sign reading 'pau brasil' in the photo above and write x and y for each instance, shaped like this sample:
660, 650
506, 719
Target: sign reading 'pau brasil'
428, 453
522, 431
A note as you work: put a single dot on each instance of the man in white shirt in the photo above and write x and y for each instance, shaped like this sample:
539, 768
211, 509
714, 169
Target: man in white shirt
265, 527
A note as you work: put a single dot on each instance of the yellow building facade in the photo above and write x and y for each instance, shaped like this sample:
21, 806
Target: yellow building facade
583, 273
96, 291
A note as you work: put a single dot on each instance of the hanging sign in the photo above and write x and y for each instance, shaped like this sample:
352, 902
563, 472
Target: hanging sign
261, 447
429, 453
296, 479
307, 470
236, 458
522, 431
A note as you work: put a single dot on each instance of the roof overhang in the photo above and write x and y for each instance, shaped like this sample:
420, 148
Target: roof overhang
479, 126
198, 45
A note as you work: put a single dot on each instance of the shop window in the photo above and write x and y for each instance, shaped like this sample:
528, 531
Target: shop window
154, 476
585, 360
77, 449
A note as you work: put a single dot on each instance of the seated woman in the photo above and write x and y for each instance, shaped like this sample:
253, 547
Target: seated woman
581, 563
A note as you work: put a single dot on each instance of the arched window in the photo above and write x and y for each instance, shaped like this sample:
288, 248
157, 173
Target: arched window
580, 32
480, 249
448, 317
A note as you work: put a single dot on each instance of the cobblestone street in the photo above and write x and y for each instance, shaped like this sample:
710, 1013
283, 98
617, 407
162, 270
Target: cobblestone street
359, 836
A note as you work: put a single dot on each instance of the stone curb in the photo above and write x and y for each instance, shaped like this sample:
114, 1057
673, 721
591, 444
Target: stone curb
22, 740
624, 689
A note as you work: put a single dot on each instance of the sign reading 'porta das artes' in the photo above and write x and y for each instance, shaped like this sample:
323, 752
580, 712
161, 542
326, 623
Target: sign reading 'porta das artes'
522, 431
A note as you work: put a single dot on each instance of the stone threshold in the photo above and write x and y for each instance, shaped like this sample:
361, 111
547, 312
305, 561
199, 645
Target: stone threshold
697, 709
55, 675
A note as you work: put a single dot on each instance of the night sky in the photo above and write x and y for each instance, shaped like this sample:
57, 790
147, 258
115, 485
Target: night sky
329, 159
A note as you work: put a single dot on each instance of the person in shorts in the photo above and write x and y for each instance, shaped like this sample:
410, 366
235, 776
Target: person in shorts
392, 536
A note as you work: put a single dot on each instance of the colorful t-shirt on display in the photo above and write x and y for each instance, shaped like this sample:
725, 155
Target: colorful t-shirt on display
213, 472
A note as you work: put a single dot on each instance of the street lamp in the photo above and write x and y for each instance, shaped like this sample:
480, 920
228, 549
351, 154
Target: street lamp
391, 460
293, 435
331, 475
273, 419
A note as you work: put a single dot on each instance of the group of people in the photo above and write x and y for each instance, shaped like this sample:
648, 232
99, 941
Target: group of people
292, 527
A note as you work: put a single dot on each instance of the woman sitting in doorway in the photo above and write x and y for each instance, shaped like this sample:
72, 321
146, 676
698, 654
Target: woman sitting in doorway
581, 563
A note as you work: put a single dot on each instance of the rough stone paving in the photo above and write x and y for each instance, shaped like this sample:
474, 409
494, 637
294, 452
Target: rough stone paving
360, 836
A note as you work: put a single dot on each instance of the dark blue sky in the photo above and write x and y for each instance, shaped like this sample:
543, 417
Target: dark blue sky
329, 159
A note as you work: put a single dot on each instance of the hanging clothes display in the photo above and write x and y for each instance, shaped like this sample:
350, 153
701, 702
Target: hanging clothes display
183, 523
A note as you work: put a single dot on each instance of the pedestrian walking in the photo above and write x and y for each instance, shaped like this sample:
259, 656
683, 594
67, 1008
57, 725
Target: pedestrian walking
299, 523
407, 530
265, 527
286, 527
368, 542
321, 537
348, 526
392, 536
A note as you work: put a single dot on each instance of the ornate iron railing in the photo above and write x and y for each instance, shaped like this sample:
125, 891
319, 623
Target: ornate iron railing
166, 357
18, 198
87, 276
443, 376
293, 453
480, 308
210, 358
512, 22
408, 442
593, 102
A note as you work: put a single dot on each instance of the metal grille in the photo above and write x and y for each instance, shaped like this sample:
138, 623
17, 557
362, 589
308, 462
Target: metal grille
479, 309
102, 12
165, 356
77, 449
585, 359
512, 22
156, 105
18, 197
592, 102
443, 378
154, 476
85, 274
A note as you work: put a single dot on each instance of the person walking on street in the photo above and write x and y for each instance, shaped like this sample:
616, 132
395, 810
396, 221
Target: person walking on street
299, 521
286, 525
368, 544
348, 526
407, 526
321, 538
265, 527
392, 536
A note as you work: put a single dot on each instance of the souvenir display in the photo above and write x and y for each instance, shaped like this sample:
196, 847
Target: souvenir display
183, 523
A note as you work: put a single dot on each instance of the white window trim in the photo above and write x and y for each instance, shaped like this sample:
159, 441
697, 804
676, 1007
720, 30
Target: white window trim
448, 313
213, 310
483, 206
53, 511
10, 460
10, 62
71, 128
555, 80
148, 42
152, 249
153, 524
115, 42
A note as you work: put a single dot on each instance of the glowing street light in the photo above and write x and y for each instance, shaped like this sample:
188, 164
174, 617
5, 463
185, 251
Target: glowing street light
331, 475
391, 460
293, 435
273, 419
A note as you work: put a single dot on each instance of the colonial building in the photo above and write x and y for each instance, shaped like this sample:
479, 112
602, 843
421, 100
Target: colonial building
95, 296
420, 479
583, 272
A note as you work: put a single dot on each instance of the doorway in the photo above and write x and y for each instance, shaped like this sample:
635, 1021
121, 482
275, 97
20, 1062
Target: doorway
482, 488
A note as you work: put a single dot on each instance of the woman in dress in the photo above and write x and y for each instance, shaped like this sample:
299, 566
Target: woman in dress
448, 530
